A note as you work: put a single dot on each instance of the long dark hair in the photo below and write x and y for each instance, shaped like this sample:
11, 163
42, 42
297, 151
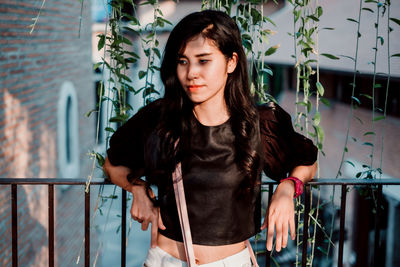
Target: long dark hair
175, 124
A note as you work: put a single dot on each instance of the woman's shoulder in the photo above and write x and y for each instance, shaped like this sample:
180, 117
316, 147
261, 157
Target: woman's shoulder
146, 117
271, 111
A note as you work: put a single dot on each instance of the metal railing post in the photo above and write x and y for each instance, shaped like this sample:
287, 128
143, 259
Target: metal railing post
377, 241
268, 253
51, 223
307, 196
342, 226
87, 228
14, 222
123, 229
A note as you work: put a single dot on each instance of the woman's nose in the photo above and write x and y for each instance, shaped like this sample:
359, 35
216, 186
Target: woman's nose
193, 72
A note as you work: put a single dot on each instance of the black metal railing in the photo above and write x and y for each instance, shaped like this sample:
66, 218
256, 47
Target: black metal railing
344, 183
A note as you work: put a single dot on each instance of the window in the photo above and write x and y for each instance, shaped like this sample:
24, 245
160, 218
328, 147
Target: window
68, 132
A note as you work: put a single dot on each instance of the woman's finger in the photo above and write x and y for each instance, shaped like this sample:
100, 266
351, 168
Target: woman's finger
154, 232
270, 234
278, 237
145, 224
160, 222
292, 228
285, 234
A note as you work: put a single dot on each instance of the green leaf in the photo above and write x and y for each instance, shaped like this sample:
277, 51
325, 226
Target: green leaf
313, 18
109, 129
330, 56
246, 36
271, 50
149, 90
126, 41
320, 88
268, 71
87, 114
368, 144
126, 78
320, 133
349, 57
247, 45
356, 99
377, 85
368, 9
325, 101
357, 118
368, 133
317, 118
380, 38
328, 28
395, 55
135, 32
352, 20
142, 74
269, 20
395, 20
367, 96
379, 118
100, 159
98, 64
319, 11
157, 52
351, 163
101, 42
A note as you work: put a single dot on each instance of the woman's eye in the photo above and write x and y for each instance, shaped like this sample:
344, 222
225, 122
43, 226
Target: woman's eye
182, 62
204, 61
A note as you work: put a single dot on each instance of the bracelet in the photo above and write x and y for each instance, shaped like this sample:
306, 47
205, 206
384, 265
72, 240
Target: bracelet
135, 181
298, 185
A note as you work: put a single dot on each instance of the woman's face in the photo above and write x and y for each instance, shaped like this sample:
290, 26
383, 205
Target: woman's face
203, 70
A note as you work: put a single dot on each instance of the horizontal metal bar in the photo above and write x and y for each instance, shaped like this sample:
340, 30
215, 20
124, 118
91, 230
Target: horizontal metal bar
324, 181
55, 181
102, 181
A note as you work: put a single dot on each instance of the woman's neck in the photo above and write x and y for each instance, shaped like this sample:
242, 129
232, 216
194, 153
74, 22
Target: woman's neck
211, 114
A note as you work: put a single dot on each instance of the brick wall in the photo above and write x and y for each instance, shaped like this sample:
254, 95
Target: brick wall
32, 69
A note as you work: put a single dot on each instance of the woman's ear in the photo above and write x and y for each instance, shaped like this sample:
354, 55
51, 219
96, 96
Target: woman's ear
232, 62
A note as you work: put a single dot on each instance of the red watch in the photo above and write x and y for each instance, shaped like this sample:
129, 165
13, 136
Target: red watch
298, 185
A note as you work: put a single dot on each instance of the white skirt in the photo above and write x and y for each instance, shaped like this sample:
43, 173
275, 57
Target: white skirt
159, 258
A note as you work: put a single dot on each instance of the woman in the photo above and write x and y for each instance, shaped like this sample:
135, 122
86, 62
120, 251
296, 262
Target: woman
208, 122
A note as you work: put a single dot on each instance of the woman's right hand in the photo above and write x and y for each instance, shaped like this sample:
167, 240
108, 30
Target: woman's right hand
142, 209
144, 212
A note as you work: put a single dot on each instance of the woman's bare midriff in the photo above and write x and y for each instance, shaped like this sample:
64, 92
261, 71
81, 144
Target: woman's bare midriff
203, 254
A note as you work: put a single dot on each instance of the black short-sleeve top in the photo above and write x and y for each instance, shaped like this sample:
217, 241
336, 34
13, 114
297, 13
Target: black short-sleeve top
219, 212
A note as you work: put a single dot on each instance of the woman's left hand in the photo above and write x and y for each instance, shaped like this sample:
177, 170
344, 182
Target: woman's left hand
280, 216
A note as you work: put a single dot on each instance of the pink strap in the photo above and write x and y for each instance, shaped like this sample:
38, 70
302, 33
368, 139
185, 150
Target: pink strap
252, 256
183, 215
184, 220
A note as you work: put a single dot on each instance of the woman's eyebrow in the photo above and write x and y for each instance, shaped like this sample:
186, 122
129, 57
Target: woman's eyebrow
198, 55
203, 54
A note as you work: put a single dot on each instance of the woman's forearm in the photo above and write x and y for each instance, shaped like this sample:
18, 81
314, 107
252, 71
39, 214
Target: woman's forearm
303, 173
118, 176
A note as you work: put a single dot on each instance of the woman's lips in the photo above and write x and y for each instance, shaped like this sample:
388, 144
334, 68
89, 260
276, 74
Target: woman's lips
194, 88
